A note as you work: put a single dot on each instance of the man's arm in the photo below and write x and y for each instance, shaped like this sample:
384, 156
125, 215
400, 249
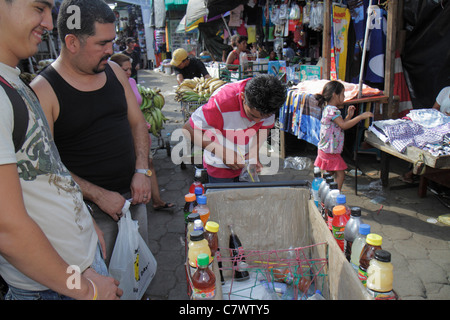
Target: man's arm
26, 247
140, 184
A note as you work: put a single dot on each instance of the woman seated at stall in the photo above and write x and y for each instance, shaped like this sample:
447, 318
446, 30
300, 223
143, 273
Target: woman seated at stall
239, 44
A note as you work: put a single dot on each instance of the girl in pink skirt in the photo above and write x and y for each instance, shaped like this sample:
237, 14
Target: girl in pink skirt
332, 127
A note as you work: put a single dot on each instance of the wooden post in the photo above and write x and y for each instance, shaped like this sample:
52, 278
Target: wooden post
389, 70
326, 40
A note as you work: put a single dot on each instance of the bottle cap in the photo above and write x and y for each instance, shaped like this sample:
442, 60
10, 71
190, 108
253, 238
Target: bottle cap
356, 211
197, 235
338, 210
198, 190
341, 198
333, 185
201, 199
364, 229
198, 223
202, 260
189, 197
212, 226
383, 255
193, 216
374, 239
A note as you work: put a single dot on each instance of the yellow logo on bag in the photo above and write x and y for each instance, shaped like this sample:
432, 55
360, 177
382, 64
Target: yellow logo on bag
136, 268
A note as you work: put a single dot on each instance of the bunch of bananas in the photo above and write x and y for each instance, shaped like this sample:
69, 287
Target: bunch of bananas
152, 103
197, 89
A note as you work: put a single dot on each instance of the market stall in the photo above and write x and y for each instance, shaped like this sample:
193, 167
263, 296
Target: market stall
422, 141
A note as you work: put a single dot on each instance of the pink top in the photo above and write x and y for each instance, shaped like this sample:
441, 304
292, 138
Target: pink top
135, 90
331, 135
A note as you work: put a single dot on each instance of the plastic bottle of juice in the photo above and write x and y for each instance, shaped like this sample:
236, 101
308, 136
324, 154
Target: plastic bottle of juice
211, 235
358, 245
323, 190
189, 205
203, 280
198, 225
380, 276
197, 245
315, 185
342, 200
196, 183
190, 226
351, 230
339, 221
330, 202
373, 243
202, 209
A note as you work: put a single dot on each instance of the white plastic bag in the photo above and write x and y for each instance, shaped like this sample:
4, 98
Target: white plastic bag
132, 262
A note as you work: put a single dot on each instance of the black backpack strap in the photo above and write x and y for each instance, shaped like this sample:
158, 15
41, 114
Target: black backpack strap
20, 111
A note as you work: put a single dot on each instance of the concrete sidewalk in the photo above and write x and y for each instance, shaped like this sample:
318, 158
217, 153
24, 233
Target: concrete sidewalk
420, 249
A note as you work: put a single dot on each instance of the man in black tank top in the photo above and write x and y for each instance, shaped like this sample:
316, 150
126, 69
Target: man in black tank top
96, 121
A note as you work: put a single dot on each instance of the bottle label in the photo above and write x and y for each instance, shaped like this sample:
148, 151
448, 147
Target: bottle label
204, 294
338, 232
362, 276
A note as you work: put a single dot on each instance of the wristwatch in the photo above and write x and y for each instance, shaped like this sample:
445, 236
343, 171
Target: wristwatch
147, 172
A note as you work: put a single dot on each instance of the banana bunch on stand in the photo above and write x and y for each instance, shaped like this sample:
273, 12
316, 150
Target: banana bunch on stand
152, 103
197, 89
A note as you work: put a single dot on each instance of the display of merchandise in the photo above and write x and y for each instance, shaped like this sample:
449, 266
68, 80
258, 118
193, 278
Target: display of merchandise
358, 245
351, 231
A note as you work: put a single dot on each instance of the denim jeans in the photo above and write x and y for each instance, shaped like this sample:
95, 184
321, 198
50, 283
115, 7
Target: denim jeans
20, 294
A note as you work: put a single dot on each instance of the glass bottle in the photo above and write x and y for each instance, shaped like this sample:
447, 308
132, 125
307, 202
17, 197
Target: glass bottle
236, 246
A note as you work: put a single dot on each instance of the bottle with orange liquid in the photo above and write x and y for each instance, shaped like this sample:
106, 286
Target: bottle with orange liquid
202, 209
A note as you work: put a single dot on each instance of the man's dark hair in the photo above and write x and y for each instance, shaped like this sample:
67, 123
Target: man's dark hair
265, 93
91, 11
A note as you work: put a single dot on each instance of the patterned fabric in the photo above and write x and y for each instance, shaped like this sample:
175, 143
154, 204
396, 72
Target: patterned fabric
331, 135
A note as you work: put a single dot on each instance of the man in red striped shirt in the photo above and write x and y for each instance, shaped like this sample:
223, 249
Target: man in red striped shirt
229, 126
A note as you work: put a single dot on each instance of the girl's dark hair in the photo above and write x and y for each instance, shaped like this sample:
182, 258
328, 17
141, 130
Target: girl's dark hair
120, 58
327, 92
91, 11
265, 93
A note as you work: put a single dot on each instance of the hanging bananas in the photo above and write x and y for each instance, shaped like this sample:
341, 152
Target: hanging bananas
152, 103
197, 89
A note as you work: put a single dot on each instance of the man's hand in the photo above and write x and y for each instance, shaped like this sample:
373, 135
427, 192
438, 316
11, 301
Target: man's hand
140, 189
107, 287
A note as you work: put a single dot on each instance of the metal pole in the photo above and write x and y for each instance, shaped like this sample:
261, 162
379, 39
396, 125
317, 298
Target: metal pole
366, 35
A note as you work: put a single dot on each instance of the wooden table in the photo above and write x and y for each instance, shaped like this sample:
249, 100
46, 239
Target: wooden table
437, 167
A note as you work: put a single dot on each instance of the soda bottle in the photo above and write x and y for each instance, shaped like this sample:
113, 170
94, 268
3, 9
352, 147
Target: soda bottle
373, 243
338, 225
342, 200
211, 229
197, 245
315, 185
330, 202
327, 179
190, 226
202, 209
198, 192
198, 225
197, 183
235, 246
351, 230
203, 280
322, 195
358, 245
380, 276
189, 205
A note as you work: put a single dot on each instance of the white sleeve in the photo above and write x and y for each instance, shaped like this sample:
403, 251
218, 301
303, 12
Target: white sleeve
7, 153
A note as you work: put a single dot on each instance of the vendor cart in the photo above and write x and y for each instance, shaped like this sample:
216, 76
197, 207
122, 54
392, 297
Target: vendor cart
282, 232
188, 107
